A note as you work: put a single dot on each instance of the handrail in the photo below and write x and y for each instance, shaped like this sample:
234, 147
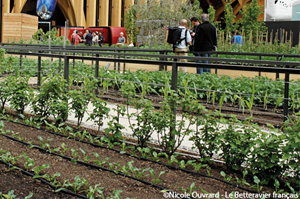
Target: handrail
287, 71
153, 50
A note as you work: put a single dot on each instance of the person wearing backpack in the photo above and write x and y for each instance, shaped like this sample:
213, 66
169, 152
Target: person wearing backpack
205, 40
181, 45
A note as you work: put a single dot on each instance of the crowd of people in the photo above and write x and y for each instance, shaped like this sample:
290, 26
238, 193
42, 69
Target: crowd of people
88, 38
93, 38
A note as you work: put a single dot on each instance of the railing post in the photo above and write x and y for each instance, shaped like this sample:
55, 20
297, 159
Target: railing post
82, 58
124, 64
161, 66
59, 69
216, 70
174, 88
119, 64
115, 63
277, 74
39, 71
73, 61
259, 73
66, 69
21, 61
286, 96
97, 74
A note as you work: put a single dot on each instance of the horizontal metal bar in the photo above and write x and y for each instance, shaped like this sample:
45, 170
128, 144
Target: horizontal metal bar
187, 64
152, 50
216, 59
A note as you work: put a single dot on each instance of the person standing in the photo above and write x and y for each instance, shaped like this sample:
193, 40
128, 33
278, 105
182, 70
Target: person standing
181, 48
89, 38
95, 38
205, 41
101, 39
237, 38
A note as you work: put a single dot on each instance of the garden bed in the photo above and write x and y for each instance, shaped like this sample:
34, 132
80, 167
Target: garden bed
174, 180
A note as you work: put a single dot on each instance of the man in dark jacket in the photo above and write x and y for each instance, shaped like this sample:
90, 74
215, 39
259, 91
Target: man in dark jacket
205, 40
89, 38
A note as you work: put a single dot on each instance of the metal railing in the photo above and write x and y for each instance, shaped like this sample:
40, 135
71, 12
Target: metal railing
289, 67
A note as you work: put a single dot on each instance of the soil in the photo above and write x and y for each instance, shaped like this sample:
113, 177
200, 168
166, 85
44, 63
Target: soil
174, 180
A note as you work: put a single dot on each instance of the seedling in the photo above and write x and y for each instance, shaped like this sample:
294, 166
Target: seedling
257, 184
223, 174
197, 167
29, 162
184, 164
64, 148
95, 192
154, 179
98, 162
190, 190
38, 169
74, 153
44, 143
85, 158
243, 181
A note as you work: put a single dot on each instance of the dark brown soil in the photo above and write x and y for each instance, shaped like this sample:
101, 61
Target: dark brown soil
23, 185
171, 179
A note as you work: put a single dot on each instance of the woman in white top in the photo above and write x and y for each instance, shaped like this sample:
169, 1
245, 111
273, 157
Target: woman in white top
95, 38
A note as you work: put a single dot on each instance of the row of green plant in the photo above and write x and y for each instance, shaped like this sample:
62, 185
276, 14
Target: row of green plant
11, 195
78, 185
241, 91
145, 152
269, 155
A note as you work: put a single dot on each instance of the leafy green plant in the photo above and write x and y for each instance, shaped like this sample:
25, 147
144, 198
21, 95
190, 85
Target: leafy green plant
143, 128
28, 161
100, 112
77, 184
38, 169
85, 158
79, 103
22, 94
98, 162
113, 132
44, 143
156, 180
190, 190
52, 99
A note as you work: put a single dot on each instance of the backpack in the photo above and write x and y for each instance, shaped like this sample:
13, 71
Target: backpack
174, 36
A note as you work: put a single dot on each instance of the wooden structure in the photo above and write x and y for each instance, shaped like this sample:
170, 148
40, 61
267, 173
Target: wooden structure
18, 26
90, 13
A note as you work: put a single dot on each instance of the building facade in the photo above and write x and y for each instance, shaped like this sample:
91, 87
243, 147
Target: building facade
89, 13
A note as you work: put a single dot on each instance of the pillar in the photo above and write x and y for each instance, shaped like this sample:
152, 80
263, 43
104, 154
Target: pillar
116, 13
103, 12
90, 13
18, 6
79, 13
5, 9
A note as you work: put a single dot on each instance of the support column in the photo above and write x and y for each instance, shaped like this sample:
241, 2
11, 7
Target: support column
79, 14
116, 10
103, 13
90, 13
5, 9
18, 6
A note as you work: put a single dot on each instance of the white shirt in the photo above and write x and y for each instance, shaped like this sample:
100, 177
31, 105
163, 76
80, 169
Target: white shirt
187, 39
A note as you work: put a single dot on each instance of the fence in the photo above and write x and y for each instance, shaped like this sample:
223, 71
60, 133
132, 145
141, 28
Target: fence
164, 60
